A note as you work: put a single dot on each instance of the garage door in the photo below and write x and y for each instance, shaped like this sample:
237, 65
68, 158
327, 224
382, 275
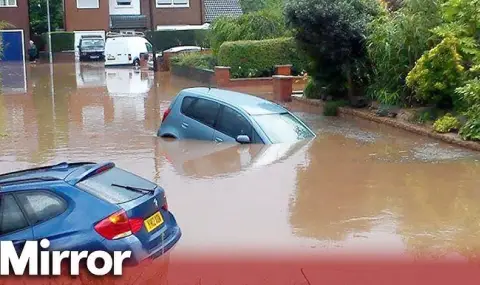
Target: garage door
12, 62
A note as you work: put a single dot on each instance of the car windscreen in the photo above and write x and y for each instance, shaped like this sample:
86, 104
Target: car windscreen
101, 186
93, 43
282, 127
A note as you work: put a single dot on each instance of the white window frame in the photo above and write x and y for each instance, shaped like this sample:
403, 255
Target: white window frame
98, 6
9, 5
172, 5
124, 6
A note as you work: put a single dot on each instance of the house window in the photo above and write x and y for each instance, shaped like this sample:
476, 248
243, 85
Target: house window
8, 3
172, 3
88, 4
124, 3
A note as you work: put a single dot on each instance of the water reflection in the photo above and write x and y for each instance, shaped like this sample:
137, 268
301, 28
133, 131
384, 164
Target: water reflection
202, 159
13, 77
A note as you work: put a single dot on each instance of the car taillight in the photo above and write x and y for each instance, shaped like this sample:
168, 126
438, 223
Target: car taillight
165, 114
165, 204
118, 225
129, 57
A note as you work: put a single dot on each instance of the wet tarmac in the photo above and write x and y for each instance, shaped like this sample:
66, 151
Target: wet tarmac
359, 186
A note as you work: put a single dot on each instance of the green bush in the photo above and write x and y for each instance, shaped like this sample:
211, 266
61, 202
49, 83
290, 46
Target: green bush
395, 41
261, 25
446, 124
195, 59
332, 34
470, 95
331, 107
61, 41
312, 90
437, 74
258, 58
163, 40
471, 130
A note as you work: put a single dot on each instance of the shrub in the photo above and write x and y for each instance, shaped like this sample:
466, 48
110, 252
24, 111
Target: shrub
258, 58
332, 33
396, 40
163, 40
312, 90
446, 124
195, 59
470, 95
437, 74
471, 130
261, 25
61, 41
331, 107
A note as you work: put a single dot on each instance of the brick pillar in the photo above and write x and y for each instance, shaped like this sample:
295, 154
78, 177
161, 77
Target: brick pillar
283, 69
282, 88
166, 61
222, 76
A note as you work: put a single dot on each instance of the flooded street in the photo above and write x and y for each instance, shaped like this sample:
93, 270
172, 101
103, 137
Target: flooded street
358, 186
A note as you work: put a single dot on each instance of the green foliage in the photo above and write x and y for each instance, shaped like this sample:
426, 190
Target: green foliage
460, 20
332, 33
437, 74
312, 90
61, 41
446, 124
195, 59
396, 40
258, 58
470, 94
261, 25
249, 6
38, 15
471, 130
331, 107
163, 40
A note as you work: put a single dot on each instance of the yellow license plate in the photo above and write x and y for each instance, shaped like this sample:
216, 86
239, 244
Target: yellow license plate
153, 222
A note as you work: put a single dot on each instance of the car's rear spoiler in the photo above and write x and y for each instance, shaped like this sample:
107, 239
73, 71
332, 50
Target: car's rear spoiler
97, 169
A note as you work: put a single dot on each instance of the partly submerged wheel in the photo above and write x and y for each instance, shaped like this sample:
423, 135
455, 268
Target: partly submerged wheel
136, 63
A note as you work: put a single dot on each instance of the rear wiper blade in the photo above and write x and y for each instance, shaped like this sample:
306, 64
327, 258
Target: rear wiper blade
136, 189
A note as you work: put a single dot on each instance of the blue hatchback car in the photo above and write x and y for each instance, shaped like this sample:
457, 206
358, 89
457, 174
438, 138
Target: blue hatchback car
227, 116
87, 206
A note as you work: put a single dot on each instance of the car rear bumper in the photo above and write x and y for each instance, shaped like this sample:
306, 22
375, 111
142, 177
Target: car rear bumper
140, 254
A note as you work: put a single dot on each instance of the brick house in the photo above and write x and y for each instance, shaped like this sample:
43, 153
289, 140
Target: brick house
140, 15
15, 12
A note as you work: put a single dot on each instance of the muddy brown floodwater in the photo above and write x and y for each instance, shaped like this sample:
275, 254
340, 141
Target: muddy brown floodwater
358, 186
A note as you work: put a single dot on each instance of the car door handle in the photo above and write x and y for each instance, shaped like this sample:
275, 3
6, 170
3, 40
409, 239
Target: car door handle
218, 140
184, 125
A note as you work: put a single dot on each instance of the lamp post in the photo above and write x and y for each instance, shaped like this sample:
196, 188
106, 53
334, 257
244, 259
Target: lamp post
49, 33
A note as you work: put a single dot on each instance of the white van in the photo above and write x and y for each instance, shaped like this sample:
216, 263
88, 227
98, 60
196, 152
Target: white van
127, 50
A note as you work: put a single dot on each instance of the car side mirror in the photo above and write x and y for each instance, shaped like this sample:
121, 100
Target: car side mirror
243, 139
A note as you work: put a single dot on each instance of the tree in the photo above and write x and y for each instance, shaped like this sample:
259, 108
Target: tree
332, 33
38, 16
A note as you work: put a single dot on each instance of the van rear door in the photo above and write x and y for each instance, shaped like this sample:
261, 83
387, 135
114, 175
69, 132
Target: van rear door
116, 51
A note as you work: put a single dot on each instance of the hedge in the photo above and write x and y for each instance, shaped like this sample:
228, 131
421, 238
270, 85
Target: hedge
61, 41
258, 58
163, 40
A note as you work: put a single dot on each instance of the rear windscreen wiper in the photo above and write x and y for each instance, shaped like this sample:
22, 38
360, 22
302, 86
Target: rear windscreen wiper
136, 189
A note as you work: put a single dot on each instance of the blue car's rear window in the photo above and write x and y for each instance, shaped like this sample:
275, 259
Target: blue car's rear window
282, 128
101, 185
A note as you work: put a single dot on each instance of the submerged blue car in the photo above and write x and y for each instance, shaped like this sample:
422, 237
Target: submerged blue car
227, 116
87, 206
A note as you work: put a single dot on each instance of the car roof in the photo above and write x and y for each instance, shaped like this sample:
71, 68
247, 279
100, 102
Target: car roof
46, 173
250, 104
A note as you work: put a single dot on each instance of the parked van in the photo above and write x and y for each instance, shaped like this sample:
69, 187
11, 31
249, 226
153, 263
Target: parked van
127, 50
